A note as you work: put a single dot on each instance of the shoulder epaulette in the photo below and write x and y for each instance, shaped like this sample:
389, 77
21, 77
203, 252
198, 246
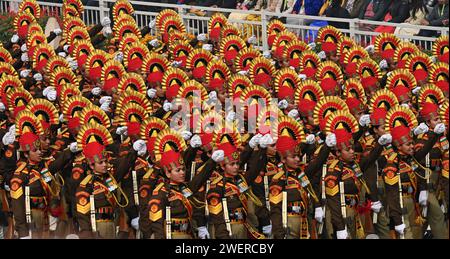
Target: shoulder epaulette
148, 173
20, 166
216, 180
333, 165
86, 180
392, 157
278, 175
157, 188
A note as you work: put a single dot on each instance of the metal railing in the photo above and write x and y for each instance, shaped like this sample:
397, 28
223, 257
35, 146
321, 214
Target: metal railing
301, 25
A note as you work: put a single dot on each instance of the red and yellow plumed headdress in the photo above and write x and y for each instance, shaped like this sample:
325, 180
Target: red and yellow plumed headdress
329, 37
380, 103
120, 30
150, 129
369, 73
309, 61
18, 98
28, 129
127, 40
217, 74
67, 91
7, 69
8, 82
273, 28
94, 115
326, 106
169, 146
72, 108
179, 51
229, 140
123, 18
430, 93
399, 123
21, 23
228, 30
404, 50
354, 89
400, 82
419, 65
33, 40
441, 48
230, 47
82, 50
44, 111
163, 15
191, 89
268, 121
342, 124
42, 54
307, 94
70, 11
154, 67
170, 25
352, 57
281, 41
71, 22
130, 96
209, 124
261, 71
54, 62
343, 46
386, 44
75, 34
290, 136
236, 84
112, 72
77, 4
122, 7
132, 81
286, 81
34, 27
245, 57
439, 76
444, 113
254, 99
30, 6
95, 62
134, 56
5, 56
62, 76
293, 51
173, 80
197, 62
132, 115
174, 36
330, 75
93, 139
215, 25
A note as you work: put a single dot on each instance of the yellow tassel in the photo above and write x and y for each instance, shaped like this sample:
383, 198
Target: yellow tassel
419, 220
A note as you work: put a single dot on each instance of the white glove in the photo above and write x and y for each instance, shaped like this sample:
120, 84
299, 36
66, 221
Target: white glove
122, 130
416, 90
27, 237
283, 104
154, 43
23, 48
212, 95
364, 120
201, 37
107, 31
267, 54
207, 47
37, 77
46, 90
177, 63
66, 47
293, 113
140, 147
12, 129
96, 91
291, 67
105, 106
2, 107
231, 116
73, 147
312, 45
151, 93
57, 31
400, 228
61, 118
383, 64
72, 236
310, 139
24, 57
105, 99
73, 64
254, 141
265, 141
342, 234
330, 140
439, 128
421, 129
370, 49
318, 214
273, 62
167, 106
405, 105
15, 38
267, 230
243, 72
302, 76
195, 141
119, 56
423, 198
203, 233
62, 54
186, 134
322, 55
106, 22
218, 156
51, 94
152, 24
252, 40
376, 206
434, 59
25, 73
385, 139
135, 223
9, 138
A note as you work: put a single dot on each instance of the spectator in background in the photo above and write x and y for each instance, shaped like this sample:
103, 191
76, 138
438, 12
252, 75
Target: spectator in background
417, 13
399, 11
373, 10
337, 11
437, 17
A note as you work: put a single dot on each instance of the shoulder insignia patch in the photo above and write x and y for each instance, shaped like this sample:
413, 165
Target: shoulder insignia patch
331, 188
155, 212
83, 203
214, 203
16, 188
391, 178
275, 195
